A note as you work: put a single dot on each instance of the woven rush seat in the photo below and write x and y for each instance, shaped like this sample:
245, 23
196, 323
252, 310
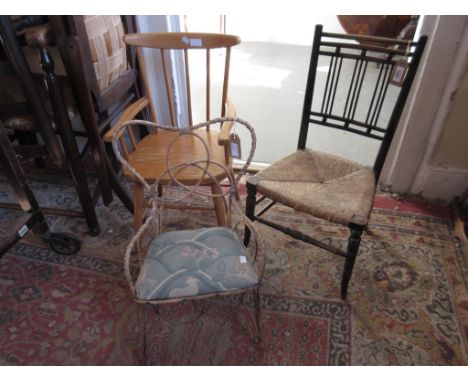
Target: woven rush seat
323, 185
195, 262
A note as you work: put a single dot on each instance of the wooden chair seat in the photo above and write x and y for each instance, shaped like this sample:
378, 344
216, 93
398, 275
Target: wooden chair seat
149, 158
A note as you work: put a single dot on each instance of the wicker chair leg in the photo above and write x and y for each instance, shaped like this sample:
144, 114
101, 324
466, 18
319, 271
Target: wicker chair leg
250, 208
351, 253
143, 331
256, 295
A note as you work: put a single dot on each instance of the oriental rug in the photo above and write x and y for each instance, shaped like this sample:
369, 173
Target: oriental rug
407, 302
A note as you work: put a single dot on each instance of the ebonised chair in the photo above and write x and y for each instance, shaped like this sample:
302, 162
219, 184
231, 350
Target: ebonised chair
29, 108
98, 81
328, 186
102, 73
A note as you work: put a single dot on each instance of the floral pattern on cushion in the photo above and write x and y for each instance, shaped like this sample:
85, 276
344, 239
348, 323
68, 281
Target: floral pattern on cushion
195, 262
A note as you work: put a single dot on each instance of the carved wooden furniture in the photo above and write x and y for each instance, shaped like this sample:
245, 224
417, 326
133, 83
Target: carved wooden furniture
103, 80
25, 112
100, 82
190, 264
147, 155
327, 186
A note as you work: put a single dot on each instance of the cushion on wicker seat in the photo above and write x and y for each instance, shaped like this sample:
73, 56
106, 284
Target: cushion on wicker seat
195, 262
321, 184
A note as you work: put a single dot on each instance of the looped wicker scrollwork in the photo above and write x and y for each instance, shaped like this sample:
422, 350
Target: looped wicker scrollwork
204, 166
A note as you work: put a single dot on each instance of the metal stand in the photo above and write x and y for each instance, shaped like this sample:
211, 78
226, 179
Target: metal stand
62, 243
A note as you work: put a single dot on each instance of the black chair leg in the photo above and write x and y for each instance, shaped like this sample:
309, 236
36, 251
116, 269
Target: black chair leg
118, 188
64, 128
250, 208
351, 253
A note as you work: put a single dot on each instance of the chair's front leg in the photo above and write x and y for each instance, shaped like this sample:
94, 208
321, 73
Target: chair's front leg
351, 253
256, 295
250, 202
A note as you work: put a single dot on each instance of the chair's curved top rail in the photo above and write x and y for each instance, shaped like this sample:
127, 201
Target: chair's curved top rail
359, 37
181, 40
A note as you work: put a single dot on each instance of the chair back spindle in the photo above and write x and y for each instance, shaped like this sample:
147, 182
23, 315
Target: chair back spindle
167, 43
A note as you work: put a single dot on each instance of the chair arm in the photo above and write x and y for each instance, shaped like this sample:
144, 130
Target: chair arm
225, 132
128, 114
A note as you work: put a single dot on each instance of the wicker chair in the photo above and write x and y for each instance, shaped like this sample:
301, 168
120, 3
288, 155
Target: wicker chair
191, 264
328, 186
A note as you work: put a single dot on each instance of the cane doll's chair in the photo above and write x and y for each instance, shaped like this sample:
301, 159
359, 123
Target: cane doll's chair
190, 264
327, 186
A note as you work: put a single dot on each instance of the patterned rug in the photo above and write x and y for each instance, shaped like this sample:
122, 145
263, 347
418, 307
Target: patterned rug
407, 303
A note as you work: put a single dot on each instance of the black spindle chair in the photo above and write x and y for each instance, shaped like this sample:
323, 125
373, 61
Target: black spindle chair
328, 186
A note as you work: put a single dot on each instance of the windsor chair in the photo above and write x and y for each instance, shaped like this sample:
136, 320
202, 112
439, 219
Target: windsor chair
147, 153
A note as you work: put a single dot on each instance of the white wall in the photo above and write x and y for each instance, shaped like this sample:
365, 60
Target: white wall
408, 168
293, 28
157, 23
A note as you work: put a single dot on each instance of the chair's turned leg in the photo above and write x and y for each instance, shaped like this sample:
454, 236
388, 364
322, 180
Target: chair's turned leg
70, 146
351, 253
220, 209
138, 205
250, 207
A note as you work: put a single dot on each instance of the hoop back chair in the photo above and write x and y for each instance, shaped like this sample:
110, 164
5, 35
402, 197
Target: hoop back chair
190, 264
147, 155
328, 186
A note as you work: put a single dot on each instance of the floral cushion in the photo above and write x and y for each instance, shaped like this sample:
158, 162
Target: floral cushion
196, 262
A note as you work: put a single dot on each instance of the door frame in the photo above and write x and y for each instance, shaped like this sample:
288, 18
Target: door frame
442, 65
